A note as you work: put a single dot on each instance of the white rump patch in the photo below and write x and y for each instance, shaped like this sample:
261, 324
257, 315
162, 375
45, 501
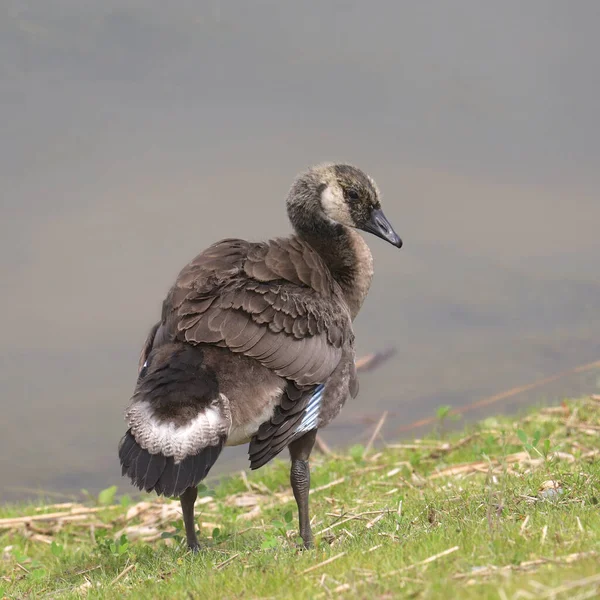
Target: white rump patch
166, 437
334, 205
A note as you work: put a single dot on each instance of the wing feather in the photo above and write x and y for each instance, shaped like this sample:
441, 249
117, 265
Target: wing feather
276, 302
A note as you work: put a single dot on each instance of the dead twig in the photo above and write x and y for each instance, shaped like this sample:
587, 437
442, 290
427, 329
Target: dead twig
88, 570
584, 426
423, 562
288, 498
23, 568
358, 516
322, 564
375, 433
461, 410
226, 562
375, 520
123, 573
447, 448
374, 360
322, 446
527, 565
62, 505
74, 514
565, 587
244, 478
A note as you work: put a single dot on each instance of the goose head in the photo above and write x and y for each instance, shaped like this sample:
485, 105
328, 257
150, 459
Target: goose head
340, 194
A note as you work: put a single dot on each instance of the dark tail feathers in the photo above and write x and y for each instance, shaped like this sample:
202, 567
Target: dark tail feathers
160, 473
173, 384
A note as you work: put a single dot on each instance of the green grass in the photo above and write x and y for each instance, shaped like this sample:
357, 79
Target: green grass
459, 517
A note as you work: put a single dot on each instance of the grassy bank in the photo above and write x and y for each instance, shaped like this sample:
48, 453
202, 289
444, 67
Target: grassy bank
507, 509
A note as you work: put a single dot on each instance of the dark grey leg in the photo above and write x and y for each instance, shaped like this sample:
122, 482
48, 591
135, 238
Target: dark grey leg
187, 500
300, 450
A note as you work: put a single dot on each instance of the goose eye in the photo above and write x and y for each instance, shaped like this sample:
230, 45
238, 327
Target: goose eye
352, 194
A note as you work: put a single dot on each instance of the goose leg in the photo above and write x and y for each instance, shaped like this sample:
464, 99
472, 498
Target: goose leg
300, 450
187, 500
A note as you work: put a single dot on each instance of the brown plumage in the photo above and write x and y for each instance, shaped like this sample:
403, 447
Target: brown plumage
276, 302
255, 344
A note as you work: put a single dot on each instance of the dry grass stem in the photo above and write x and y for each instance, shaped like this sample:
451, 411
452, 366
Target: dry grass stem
322, 564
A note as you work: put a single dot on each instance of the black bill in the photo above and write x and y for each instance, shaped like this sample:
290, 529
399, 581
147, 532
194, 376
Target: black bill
379, 225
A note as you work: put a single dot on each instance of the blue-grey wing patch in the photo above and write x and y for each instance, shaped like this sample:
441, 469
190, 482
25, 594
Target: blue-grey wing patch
311, 412
303, 409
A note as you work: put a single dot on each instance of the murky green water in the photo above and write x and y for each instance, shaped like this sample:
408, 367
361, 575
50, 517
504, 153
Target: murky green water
132, 136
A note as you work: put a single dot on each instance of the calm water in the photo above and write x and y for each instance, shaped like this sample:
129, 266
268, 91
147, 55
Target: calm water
133, 135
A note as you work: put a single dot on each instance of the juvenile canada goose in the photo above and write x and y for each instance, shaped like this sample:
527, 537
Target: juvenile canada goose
255, 344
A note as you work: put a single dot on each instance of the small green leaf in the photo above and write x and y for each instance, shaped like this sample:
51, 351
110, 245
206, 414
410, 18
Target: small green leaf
278, 524
289, 516
546, 445
443, 411
536, 437
178, 524
357, 452
522, 436
414, 458
125, 500
216, 534
203, 491
270, 542
100, 534
56, 549
107, 496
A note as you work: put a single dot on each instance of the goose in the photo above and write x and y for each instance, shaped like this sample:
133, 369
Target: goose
255, 345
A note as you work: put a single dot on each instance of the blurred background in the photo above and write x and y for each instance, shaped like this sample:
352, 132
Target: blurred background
134, 133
